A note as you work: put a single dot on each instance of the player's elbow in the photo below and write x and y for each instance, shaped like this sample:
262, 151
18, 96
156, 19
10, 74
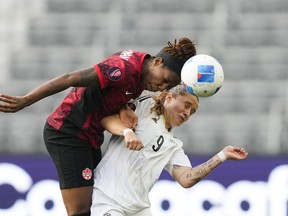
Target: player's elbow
188, 183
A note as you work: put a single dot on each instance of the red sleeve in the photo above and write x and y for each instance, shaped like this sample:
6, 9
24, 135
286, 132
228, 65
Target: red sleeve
118, 69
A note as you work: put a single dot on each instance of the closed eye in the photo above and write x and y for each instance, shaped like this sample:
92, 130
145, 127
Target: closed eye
189, 105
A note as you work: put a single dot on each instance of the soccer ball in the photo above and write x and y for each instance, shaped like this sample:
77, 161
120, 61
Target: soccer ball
202, 75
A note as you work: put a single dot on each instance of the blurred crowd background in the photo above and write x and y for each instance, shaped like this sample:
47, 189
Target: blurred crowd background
40, 40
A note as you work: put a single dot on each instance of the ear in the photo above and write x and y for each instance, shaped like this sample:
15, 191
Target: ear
168, 97
157, 61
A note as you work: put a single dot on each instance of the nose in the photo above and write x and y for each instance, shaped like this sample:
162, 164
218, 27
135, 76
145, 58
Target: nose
186, 113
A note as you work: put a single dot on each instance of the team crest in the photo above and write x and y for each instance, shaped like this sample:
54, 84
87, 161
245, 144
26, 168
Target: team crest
87, 174
114, 73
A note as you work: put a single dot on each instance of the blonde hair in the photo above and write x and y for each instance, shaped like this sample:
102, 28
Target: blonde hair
158, 107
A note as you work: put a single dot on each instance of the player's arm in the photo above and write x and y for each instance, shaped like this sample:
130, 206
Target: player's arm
114, 125
188, 176
128, 116
81, 78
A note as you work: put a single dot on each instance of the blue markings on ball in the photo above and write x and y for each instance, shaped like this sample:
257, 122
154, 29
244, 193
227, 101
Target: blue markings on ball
206, 73
188, 88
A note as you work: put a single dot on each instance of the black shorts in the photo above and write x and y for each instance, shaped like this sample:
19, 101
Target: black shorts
74, 158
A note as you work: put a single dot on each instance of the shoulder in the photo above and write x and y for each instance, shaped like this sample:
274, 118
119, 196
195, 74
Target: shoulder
143, 105
130, 55
133, 58
177, 141
129, 61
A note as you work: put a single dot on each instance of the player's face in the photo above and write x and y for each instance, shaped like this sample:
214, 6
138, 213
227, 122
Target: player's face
178, 110
158, 77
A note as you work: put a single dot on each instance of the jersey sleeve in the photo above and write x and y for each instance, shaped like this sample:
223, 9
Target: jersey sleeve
111, 72
178, 158
120, 68
143, 106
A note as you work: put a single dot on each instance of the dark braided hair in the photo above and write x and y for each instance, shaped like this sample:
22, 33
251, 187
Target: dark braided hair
175, 55
181, 51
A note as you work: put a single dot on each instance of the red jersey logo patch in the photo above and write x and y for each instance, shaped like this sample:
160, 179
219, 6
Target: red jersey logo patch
114, 73
87, 174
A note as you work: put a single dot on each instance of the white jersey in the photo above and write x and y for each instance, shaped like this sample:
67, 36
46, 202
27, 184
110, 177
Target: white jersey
127, 176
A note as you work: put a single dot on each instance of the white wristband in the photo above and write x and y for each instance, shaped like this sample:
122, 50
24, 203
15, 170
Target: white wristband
222, 156
127, 130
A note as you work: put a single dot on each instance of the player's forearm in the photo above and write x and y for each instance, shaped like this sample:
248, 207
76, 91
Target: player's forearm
113, 125
82, 78
48, 88
192, 176
187, 176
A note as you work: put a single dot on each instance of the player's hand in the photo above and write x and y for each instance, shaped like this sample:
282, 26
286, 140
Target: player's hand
128, 117
235, 153
11, 104
132, 142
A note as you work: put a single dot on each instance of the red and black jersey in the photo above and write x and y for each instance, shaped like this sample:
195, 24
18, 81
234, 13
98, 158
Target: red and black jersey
82, 109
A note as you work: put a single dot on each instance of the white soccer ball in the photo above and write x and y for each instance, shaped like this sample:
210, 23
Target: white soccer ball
202, 75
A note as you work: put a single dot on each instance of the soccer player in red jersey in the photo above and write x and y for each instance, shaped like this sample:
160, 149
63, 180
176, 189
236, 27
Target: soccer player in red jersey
73, 134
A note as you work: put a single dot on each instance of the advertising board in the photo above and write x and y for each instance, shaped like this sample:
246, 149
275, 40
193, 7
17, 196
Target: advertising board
257, 186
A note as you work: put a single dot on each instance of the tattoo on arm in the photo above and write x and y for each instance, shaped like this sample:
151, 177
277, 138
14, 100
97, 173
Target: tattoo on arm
194, 175
183, 173
212, 163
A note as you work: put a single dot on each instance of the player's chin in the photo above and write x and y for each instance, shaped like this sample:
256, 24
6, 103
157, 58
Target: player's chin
182, 120
154, 89
150, 87
178, 123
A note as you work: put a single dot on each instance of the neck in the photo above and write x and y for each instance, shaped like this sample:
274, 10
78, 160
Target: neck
168, 126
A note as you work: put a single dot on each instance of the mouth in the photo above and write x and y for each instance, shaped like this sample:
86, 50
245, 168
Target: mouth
182, 118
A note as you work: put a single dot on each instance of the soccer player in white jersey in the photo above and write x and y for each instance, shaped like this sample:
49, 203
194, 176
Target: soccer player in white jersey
124, 177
